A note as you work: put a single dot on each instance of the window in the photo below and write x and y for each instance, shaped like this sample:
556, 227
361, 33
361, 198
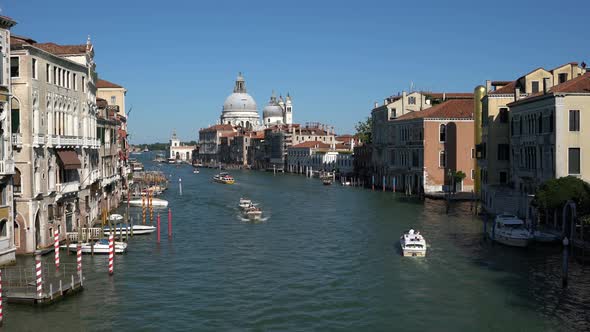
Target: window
472, 153
534, 86
14, 67
83, 84
442, 160
551, 122
412, 100
562, 77
3, 228
574, 161
503, 152
114, 101
34, 68
47, 72
503, 177
574, 120
74, 79
442, 133
472, 174
55, 75
503, 115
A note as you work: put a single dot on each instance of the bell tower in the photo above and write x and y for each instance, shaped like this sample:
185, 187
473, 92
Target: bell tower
289, 110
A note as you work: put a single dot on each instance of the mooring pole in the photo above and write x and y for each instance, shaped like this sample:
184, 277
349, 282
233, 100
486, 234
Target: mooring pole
180, 186
169, 222
39, 275
566, 243
56, 248
158, 227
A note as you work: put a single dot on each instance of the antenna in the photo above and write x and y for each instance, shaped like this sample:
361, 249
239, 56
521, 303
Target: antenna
129, 111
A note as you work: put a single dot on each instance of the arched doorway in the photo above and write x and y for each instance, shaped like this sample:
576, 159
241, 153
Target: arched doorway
15, 115
188, 157
177, 155
70, 218
19, 233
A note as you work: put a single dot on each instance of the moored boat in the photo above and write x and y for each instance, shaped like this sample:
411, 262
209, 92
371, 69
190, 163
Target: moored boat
327, 182
413, 244
509, 230
156, 202
100, 247
137, 230
545, 237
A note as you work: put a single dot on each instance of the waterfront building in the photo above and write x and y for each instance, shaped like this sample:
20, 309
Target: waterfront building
548, 136
109, 190
179, 151
55, 145
8, 227
315, 156
241, 147
383, 132
313, 132
431, 146
210, 139
113, 93
494, 153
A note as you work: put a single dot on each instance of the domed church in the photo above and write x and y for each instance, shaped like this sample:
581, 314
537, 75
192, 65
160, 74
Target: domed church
239, 109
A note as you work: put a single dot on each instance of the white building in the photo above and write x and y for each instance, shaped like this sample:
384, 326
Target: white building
239, 108
179, 151
278, 112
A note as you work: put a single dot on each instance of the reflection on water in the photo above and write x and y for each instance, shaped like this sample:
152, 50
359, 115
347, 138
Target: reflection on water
326, 257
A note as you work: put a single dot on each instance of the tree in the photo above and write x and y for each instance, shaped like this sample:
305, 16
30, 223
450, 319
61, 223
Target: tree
364, 130
554, 193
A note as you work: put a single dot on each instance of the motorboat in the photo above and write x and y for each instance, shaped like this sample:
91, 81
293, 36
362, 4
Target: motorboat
245, 203
346, 183
196, 171
327, 182
413, 244
146, 149
156, 202
100, 247
137, 230
545, 237
509, 230
253, 212
224, 178
115, 218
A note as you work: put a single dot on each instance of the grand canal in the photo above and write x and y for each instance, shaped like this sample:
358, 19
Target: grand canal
327, 258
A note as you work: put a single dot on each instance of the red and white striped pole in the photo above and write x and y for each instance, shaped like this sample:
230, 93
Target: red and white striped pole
39, 273
1, 313
158, 227
169, 222
79, 259
111, 253
56, 247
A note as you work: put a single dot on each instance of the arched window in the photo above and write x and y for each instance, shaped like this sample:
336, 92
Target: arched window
442, 133
16, 181
15, 115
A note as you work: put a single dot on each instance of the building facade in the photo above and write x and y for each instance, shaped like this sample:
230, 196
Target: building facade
56, 150
8, 227
179, 151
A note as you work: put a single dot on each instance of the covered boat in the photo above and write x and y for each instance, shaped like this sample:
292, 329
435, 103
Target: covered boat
413, 244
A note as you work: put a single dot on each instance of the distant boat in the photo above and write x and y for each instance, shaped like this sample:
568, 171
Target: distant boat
224, 178
146, 149
327, 182
156, 202
413, 244
510, 230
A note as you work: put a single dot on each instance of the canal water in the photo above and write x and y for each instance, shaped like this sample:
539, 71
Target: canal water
326, 258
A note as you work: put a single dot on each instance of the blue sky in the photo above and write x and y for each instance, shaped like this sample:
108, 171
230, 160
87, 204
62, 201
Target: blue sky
179, 59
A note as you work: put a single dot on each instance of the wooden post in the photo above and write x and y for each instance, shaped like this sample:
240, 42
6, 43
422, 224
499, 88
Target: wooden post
158, 227
1, 313
67, 244
565, 262
169, 223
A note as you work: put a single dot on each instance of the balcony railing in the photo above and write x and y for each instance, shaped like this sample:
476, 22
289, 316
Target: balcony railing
109, 179
69, 141
17, 140
38, 140
6, 167
68, 187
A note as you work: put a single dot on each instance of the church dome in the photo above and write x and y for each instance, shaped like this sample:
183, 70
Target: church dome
240, 100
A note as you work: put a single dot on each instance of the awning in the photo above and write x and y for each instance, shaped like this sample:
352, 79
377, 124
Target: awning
69, 159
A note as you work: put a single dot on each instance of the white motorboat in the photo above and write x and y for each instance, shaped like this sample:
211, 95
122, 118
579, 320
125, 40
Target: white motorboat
253, 213
100, 247
156, 202
413, 244
545, 237
245, 203
508, 229
196, 171
116, 217
346, 183
137, 230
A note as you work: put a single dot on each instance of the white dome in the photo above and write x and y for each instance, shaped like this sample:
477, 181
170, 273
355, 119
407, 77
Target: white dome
239, 102
272, 111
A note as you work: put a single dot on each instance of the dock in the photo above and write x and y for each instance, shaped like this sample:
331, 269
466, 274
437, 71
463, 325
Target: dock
20, 284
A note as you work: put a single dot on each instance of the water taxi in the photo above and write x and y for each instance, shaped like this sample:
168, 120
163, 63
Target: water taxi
509, 230
413, 244
224, 178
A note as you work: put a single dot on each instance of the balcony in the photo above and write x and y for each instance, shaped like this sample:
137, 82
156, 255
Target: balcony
6, 167
17, 140
64, 141
92, 177
109, 179
67, 187
38, 140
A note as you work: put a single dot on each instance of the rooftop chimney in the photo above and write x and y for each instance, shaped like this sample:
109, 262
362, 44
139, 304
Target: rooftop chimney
545, 85
488, 85
516, 94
